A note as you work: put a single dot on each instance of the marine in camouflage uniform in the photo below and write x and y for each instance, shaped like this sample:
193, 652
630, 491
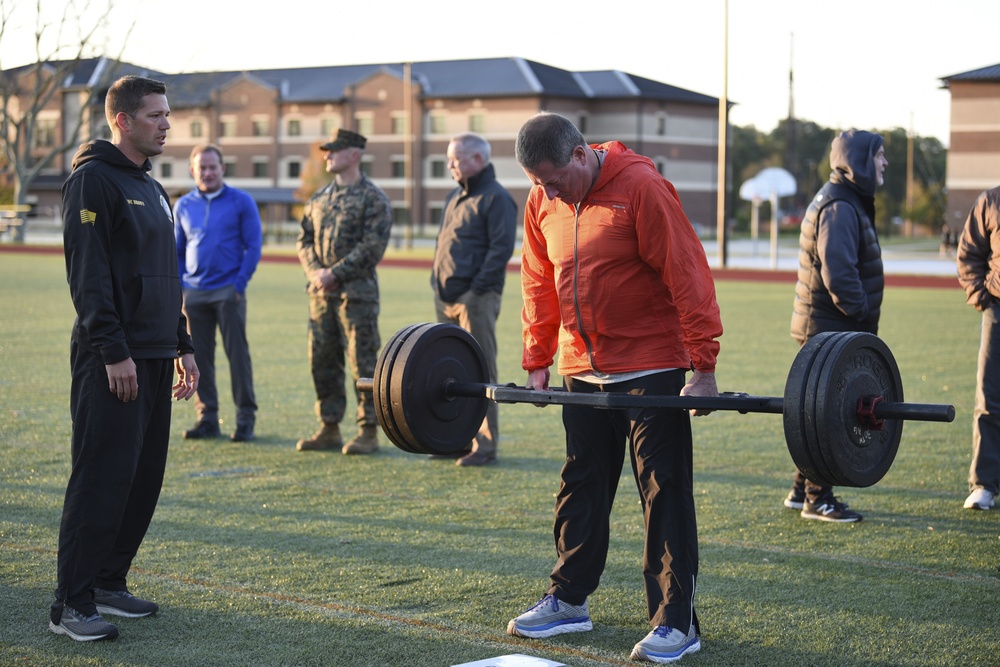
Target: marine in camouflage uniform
344, 232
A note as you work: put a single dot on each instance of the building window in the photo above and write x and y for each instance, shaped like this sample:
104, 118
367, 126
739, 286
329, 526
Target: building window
230, 167
398, 167
260, 127
437, 215
166, 170
227, 127
366, 125
294, 169
45, 132
661, 125
197, 129
477, 122
438, 168
260, 168
400, 215
399, 124
295, 127
438, 124
327, 126
661, 166
582, 124
366, 166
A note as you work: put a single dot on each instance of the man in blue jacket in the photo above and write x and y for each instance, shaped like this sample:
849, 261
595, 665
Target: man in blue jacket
218, 235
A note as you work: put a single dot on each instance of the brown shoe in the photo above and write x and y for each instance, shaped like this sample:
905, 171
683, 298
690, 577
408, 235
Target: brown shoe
365, 442
477, 459
328, 437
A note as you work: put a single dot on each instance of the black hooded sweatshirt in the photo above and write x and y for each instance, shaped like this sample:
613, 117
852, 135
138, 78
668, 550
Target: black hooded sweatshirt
121, 258
840, 279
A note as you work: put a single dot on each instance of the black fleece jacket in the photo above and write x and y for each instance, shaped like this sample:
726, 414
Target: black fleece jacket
121, 258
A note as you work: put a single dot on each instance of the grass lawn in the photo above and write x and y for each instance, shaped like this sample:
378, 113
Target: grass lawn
261, 555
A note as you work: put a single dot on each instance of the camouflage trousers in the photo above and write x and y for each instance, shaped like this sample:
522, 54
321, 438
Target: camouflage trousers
341, 328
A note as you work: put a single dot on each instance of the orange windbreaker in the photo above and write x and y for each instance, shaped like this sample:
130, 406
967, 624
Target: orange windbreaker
624, 284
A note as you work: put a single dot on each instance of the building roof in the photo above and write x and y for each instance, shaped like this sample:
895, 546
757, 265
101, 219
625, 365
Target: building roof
485, 77
482, 77
983, 74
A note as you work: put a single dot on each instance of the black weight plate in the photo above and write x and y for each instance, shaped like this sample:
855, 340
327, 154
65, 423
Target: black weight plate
815, 393
794, 407
427, 418
382, 378
383, 408
860, 365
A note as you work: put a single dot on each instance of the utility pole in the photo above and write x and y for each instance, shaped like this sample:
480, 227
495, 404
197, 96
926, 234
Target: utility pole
791, 125
723, 127
408, 154
908, 226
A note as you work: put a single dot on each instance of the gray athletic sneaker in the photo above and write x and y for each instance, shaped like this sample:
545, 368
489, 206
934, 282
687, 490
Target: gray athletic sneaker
82, 628
551, 616
665, 644
122, 603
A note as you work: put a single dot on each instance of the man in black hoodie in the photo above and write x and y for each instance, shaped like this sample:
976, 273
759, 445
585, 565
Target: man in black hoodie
128, 339
840, 281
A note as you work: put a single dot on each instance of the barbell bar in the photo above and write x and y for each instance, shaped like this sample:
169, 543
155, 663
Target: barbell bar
842, 407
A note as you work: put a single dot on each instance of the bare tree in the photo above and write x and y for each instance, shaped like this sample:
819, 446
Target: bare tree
48, 105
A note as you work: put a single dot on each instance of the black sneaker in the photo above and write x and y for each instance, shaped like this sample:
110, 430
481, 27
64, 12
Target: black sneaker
122, 603
796, 499
82, 628
203, 430
243, 433
830, 509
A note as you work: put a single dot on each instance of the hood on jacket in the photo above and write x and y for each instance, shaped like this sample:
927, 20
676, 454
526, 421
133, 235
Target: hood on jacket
852, 157
105, 151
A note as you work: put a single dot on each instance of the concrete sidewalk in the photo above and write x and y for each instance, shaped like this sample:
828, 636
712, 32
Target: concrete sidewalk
899, 260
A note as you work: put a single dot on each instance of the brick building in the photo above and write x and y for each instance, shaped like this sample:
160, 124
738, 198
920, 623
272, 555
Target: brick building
270, 122
974, 152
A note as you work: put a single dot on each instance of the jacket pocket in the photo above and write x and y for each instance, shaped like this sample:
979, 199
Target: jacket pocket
155, 314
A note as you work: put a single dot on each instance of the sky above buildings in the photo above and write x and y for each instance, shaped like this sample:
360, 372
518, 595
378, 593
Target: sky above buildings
854, 63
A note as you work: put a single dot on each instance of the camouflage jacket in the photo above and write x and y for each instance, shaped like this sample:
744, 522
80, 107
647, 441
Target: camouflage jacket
346, 229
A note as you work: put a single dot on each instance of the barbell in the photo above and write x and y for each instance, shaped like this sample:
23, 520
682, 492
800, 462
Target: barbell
842, 409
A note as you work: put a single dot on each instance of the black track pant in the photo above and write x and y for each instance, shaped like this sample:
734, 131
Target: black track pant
660, 450
119, 452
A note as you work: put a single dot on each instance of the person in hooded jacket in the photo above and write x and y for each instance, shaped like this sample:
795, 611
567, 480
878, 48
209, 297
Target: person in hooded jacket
129, 338
840, 278
616, 281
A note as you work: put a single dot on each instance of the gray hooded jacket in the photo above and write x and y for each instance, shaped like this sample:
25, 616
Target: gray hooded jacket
840, 279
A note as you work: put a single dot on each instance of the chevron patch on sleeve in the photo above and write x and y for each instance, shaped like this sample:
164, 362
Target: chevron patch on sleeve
87, 217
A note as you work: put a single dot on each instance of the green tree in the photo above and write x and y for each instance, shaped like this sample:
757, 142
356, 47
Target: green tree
809, 161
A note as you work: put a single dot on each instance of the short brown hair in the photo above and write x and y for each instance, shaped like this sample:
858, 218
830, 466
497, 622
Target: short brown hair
204, 148
125, 95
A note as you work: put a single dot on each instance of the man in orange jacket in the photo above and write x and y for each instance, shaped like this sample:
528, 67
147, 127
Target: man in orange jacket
614, 277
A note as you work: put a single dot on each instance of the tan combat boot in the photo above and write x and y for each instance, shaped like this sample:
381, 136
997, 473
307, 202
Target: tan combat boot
365, 442
327, 437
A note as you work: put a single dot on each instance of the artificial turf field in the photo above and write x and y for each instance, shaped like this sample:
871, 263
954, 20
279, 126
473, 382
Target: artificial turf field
261, 555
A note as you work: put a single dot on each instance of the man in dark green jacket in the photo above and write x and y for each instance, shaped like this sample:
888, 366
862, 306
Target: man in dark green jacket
474, 245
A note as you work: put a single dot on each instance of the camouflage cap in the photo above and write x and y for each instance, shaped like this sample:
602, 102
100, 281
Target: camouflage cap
344, 139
